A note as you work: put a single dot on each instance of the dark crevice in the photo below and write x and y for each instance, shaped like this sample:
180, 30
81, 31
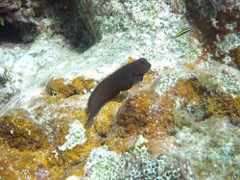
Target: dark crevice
10, 33
73, 20
17, 33
73, 24
15, 26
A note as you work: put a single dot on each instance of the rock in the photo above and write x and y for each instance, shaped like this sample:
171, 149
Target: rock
10, 4
4, 76
104, 120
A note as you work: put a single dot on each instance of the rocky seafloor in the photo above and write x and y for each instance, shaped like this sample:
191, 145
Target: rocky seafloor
183, 122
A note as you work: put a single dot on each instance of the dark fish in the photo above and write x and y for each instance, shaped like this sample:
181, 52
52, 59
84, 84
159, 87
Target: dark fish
121, 80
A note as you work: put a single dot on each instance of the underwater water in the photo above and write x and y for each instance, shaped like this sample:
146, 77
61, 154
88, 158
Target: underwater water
181, 121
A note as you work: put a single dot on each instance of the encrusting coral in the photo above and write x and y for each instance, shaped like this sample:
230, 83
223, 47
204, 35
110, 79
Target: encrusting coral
145, 114
42, 135
190, 99
235, 55
19, 131
79, 85
216, 20
138, 163
145, 166
202, 101
25, 148
57, 87
141, 115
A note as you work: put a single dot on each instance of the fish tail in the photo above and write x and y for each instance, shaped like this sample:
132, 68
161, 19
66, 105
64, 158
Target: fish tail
89, 121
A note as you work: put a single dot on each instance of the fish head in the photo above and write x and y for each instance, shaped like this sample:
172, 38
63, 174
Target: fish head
140, 67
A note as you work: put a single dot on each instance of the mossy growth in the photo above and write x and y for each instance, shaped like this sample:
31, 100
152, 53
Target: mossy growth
156, 117
80, 85
222, 104
44, 143
67, 132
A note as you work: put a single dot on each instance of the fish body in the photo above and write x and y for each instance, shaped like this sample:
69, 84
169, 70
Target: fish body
121, 80
181, 33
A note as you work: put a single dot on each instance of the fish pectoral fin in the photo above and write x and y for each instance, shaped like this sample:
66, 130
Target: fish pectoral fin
135, 88
126, 85
137, 78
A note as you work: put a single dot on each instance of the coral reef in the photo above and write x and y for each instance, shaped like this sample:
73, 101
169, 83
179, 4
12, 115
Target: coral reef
75, 136
186, 114
161, 167
104, 120
22, 21
57, 87
224, 105
22, 165
82, 85
140, 115
25, 148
